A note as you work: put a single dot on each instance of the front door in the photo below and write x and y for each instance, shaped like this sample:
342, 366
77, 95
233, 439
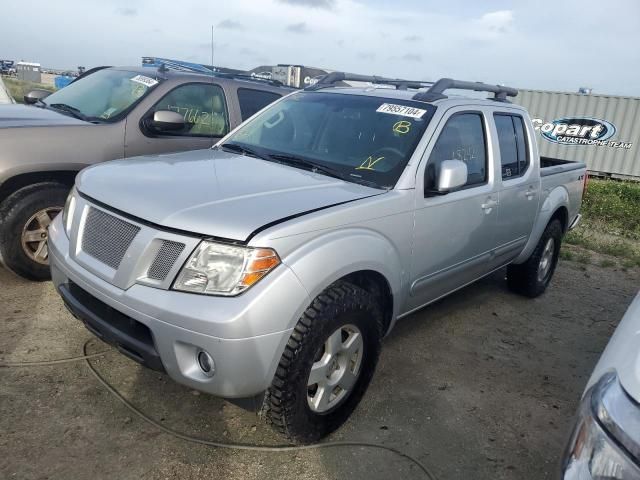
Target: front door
204, 108
454, 234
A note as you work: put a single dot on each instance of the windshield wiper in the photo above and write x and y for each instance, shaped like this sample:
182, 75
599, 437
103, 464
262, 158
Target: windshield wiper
311, 165
236, 147
69, 109
318, 167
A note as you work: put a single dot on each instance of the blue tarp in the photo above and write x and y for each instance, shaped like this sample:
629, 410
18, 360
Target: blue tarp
62, 81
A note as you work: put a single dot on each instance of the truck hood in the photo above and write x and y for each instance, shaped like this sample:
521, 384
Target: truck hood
623, 352
16, 115
211, 192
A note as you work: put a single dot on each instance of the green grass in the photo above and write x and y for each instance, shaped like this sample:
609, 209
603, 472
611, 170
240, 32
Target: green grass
613, 206
611, 220
566, 254
18, 88
606, 263
583, 257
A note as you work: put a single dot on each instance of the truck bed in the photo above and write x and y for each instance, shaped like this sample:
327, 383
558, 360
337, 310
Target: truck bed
564, 176
552, 166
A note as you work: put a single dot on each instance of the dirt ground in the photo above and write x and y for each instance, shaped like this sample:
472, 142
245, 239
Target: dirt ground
481, 385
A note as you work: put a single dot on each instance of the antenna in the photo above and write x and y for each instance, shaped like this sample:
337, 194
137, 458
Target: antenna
212, 76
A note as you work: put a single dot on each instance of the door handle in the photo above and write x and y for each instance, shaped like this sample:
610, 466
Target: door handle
530, 194
488, 205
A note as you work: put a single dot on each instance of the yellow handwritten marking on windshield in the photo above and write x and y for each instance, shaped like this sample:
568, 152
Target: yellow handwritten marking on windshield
402, 127
369, 163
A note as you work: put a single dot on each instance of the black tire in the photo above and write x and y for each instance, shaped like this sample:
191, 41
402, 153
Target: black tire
286, 406
15, 212
524, 278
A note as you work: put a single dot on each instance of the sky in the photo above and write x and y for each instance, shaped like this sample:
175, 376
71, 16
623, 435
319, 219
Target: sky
549, 45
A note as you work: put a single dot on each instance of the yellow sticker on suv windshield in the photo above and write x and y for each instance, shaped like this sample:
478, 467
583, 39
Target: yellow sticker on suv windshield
369, 163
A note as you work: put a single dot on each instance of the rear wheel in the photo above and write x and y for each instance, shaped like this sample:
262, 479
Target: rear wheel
327, 364
532, 277
24, 218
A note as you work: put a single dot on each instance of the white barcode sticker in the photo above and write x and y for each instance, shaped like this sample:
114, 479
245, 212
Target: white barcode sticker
147, 81
401, 110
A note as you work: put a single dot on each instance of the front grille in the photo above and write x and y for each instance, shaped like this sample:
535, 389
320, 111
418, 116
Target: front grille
107, 238
166, 257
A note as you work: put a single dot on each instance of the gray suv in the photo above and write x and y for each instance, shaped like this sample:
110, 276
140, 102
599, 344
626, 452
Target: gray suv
107, 113
271, 266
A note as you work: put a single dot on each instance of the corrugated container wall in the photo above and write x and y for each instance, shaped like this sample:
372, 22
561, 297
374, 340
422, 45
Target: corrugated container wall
608, 157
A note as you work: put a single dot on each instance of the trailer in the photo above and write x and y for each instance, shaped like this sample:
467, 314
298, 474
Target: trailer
601, 130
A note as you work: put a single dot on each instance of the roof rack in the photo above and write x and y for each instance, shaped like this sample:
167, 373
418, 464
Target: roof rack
181, 66
332, 78
436, 91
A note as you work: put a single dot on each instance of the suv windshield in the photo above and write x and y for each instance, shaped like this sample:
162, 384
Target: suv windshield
365, 139
103, 95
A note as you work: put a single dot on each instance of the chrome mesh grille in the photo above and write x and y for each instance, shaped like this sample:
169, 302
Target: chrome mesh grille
107, 238
166, 257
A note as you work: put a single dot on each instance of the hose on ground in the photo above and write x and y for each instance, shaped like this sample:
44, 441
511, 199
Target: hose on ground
212, 443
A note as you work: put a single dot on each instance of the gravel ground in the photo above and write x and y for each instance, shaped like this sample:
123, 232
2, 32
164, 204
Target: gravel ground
481, 385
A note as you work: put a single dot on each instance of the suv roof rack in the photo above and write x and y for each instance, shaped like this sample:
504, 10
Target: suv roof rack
436, 91
332, 78
189, 67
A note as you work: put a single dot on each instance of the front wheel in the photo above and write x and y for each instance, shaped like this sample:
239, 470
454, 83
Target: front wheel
327, 364
532, 277
24, 218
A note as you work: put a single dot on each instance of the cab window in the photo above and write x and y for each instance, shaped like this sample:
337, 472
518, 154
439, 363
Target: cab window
462, 138
203, 107
514, 158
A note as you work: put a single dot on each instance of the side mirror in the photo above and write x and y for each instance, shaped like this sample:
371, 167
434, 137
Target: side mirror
453, 174
35, 95
167, 121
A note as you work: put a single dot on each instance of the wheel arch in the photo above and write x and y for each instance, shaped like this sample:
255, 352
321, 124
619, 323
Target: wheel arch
19, 181
378, 286
555, 206
360, 256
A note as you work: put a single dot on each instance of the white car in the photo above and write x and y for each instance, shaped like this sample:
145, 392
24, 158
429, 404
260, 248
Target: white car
605, 443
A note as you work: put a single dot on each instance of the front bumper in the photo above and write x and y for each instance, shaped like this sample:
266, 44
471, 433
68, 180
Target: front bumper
180, 325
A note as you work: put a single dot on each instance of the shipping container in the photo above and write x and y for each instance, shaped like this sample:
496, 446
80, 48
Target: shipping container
601, 130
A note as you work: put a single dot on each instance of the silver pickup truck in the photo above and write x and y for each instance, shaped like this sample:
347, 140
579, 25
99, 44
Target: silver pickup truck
271, 266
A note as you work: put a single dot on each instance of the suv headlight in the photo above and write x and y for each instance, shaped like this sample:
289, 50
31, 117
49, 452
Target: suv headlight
605, 443
69, 210
222, 269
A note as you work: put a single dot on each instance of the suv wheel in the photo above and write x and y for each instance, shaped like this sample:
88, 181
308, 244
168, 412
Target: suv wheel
24, 218
327, 364
532, 277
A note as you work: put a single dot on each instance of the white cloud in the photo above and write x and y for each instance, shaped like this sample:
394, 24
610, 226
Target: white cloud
494, 24
524, 45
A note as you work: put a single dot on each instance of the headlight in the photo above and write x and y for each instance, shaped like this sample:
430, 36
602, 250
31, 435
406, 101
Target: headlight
69, 209
221, 269
605, 443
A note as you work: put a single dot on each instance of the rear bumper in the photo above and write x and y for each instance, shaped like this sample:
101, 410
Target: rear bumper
165, 330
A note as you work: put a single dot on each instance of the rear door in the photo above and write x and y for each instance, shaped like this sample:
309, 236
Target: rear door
519, 185
454, 234
204, 107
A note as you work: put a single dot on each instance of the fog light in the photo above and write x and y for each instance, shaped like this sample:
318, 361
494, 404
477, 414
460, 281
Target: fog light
206, 363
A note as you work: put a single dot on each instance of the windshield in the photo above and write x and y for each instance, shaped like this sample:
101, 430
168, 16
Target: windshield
368, 139
103, 95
